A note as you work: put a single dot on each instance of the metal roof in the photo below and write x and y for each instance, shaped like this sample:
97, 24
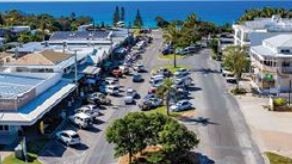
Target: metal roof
79, 35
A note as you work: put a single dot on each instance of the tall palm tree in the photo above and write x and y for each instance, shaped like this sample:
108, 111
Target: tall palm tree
172, 35
43, 27
165, 92
235, 59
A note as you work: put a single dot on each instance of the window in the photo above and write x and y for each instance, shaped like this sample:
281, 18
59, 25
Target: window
285, 51
286, 64
4, 128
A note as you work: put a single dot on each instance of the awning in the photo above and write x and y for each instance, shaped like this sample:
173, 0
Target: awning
38, 107
91, 70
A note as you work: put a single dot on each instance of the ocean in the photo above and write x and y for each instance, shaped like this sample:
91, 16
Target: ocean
218, 12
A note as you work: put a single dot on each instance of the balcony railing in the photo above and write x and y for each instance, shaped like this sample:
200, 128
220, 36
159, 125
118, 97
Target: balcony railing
286, 70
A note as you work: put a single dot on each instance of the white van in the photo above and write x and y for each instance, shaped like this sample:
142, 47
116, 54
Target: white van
112, 89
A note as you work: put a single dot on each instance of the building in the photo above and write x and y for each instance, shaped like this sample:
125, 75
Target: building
225, 40
5, 58
26, 97
252, 33
272, 64
27, 48
20, 29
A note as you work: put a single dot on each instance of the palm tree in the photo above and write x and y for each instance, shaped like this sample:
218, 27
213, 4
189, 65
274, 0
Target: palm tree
43, 27
235, 59
165, 92
172, 35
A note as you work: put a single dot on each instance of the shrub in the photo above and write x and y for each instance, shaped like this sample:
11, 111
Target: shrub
279, 101
238, 91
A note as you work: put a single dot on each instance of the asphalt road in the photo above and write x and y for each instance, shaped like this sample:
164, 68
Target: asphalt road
102, 152
224, 135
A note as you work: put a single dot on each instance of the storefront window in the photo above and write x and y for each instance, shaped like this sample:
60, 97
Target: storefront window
4, 128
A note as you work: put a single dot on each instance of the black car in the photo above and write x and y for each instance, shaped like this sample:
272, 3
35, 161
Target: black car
167, 51
137, 78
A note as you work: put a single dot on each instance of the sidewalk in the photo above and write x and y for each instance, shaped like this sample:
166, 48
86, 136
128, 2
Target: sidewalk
271, 130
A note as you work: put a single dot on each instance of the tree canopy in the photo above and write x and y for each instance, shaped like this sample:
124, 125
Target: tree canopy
138, 22
265, 12
136, 131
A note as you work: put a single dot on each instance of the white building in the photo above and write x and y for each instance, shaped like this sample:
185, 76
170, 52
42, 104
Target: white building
251, 33
26, 97
19, 29
272, 63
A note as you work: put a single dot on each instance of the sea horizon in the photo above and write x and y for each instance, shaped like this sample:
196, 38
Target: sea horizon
218, 12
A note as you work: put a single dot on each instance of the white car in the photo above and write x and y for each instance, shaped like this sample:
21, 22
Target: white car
181, 106
183, 71
111, 81
180, 75
90, 110
139, 68
130, 96
82, 120
112, 89
69, 137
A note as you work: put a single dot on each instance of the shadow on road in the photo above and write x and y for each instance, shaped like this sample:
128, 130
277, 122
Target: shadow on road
201, 120
80, 146
203, 159
193, 89
206, 70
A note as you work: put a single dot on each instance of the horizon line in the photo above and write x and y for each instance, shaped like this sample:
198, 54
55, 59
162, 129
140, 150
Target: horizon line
15, 1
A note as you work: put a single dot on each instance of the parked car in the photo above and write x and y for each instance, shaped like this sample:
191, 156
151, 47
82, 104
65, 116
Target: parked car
181, 106
90, 110
139, 68
178, 74
111, 81
125, 69
157, 82
137, 78
130, 96
150, 103
82, 120
69, 137
112, 89
185, 81
183, 71
148, 96
167, 51
163, 71
98, 99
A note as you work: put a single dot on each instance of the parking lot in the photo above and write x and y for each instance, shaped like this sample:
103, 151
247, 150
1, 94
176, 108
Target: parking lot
93, 147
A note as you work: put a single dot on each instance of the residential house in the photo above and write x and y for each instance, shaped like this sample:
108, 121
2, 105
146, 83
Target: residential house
271, 64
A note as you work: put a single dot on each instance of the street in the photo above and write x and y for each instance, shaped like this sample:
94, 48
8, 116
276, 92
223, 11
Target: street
225, 138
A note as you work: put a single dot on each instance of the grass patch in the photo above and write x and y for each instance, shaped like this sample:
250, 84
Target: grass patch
11, 159
278, 159
170, 56
171, 68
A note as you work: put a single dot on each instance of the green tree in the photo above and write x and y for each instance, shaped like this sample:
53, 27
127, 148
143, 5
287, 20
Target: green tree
166, 92
172, 35
116, 17
161, 22
177, 140
155, 125
24, 38
235, 59
128, 134
2, 21
122, 14
138, 22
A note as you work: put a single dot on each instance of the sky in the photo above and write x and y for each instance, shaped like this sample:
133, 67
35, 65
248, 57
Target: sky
120, 0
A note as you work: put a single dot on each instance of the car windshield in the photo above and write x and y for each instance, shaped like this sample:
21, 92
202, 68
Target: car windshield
75, 136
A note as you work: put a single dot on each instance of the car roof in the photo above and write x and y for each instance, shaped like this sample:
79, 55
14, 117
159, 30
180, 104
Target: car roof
82, 115
69, 132
182, 101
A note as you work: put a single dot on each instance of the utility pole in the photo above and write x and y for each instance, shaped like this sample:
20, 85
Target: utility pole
289, 92
76, 70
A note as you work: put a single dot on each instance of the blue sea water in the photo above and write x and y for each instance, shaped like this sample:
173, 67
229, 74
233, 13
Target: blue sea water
219, 12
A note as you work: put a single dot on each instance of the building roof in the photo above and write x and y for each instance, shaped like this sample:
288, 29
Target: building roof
79, 35
46, 57
35, 109
282, 40
4, 54
12, 85
28, 47
263, 51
